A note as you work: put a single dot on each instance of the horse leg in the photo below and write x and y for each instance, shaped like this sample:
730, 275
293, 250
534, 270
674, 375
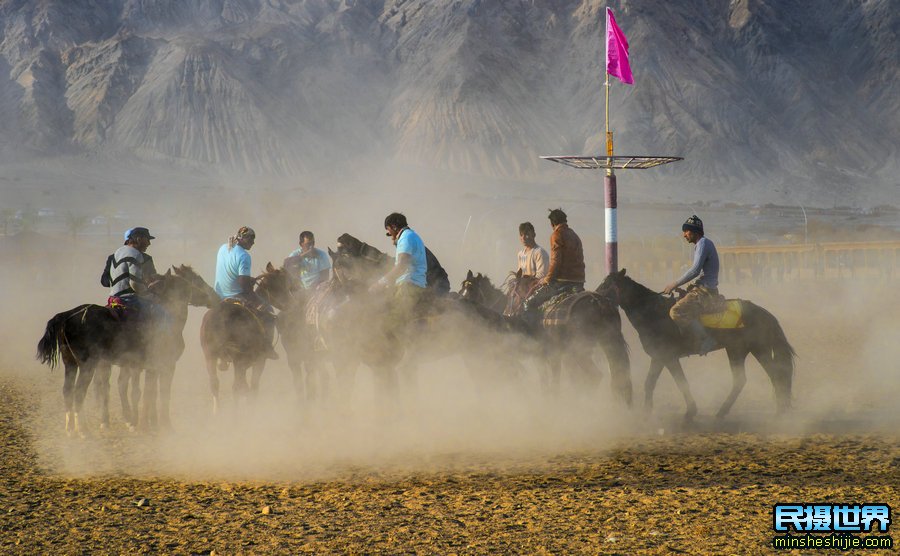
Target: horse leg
677, 373
777, 375
166, 375
590, 375
212, 371
616, 351
71, 374
653, 373
255, 376
554, 367
101, 391
122, 383
738, 379
147, 420
82, 383
240, 387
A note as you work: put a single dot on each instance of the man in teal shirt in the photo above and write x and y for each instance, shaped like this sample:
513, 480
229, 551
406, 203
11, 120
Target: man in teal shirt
233, 280
408, 273
308, 264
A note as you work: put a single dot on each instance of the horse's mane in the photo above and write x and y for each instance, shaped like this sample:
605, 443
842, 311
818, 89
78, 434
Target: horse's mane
186, 271
649, 299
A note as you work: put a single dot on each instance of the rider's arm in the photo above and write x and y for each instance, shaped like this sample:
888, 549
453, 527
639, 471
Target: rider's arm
404, 260
700, 256
540, 262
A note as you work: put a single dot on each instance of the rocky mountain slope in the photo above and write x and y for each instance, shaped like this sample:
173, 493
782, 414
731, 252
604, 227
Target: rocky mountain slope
759, 96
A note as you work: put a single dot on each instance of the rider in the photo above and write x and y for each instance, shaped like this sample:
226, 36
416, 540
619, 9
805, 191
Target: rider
308, 264
703, 295
532, 259
233, 280
129, 269
409, 271
566, 272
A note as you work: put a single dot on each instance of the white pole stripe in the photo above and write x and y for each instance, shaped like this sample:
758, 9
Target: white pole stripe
612, 235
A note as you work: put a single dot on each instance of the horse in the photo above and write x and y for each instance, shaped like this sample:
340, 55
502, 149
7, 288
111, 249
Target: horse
760, 335
588, 320
162, 356
352, 322
297, 336
232, 333
88, 335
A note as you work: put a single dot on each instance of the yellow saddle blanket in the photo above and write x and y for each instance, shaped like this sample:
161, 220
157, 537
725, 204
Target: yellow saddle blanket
731, 317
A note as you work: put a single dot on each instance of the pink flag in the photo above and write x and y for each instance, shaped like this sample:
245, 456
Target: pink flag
617, 51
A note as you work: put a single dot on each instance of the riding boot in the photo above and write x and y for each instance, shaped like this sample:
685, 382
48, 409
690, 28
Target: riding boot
703, 342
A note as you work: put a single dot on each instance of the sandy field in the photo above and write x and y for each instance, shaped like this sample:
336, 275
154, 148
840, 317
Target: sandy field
457, 465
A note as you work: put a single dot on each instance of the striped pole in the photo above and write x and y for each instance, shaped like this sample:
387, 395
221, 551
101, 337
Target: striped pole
612, 238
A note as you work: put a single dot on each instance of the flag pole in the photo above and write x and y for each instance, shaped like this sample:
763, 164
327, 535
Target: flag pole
610, 201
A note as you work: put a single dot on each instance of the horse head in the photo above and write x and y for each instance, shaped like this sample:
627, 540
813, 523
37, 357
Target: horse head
276, 286
185, 287
470, 291
356, 262
201, 293
517, 288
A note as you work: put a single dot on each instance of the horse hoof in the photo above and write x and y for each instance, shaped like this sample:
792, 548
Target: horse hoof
103, 427
690, 414
130, 427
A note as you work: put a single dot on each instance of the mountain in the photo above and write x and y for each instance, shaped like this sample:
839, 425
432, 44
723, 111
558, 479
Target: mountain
763, 98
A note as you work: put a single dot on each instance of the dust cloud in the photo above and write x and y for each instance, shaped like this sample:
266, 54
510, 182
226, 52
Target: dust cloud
450, 414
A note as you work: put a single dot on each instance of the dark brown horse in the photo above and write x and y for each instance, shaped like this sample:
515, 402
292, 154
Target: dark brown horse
89, 335
761, 336
588, 320
234, 334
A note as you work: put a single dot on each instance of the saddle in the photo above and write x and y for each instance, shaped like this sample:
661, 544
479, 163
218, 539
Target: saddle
729, 317
120, 310
558, 309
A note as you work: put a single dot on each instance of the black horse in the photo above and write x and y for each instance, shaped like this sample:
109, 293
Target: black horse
585, 320
761, 335
162, 357
92, 335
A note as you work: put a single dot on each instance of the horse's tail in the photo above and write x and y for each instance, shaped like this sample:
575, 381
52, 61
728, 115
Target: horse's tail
48, 346
779, 352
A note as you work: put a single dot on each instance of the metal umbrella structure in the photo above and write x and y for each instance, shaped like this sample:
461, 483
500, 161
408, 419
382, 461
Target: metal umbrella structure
616, 65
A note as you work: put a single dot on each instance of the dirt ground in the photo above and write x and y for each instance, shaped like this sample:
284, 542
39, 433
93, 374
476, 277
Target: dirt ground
691, 492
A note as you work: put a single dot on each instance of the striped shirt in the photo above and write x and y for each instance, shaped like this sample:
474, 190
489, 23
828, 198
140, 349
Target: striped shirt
125, 271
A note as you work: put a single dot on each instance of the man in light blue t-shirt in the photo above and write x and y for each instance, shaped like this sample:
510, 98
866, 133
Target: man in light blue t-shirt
409, 272
308, 264
233, 280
